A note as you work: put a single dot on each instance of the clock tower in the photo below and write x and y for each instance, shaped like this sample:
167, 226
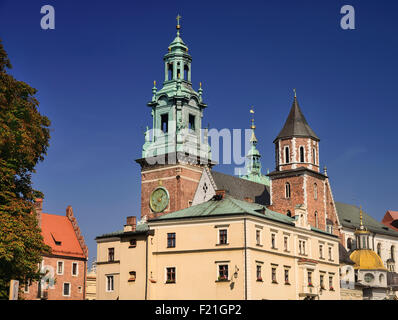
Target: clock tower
176, 148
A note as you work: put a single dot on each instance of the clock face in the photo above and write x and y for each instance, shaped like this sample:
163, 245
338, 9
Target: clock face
159, 199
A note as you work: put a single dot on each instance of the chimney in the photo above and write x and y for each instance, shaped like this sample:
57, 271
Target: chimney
39, 209
248, 199
220, 194
131, 223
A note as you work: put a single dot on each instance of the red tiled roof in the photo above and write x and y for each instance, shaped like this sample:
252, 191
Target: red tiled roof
393, 214
389, 218
59, 234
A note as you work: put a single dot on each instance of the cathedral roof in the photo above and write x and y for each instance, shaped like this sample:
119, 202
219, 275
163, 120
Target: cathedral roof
349, 218
296, 125
241, 188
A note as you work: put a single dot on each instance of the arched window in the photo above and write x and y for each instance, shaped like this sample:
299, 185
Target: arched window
186, 69
287, 190
316, 219
170, 71
289, 214
315, 191
349, 243
301, 154
379, 249
393, 253
381, 278
287, 155
313, 155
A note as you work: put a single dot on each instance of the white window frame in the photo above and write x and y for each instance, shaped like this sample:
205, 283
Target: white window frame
259, 241
77, 269
107, 289
63, 289
63, 268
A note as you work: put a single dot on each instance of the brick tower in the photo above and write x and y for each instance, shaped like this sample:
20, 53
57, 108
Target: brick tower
176, 149
297, 180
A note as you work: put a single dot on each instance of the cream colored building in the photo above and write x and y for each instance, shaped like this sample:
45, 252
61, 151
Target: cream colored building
91, 283
186, 254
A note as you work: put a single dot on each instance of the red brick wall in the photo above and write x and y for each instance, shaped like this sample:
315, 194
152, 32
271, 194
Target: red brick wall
180, 181
56, 293
279, 202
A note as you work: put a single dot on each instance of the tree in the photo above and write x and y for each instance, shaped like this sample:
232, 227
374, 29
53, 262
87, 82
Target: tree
24, 139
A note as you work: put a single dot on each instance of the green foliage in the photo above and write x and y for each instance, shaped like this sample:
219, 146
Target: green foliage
24, 139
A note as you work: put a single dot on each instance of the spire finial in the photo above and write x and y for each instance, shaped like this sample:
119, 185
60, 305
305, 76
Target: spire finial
252, 119
178, 24
295, 93
360, 218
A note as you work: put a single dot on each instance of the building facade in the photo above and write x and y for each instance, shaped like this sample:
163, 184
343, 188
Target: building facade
64, 270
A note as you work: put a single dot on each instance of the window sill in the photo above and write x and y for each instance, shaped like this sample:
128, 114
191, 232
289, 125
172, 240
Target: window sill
259, 245
274, 248
260, 280
226, 280
170, 247
131, 280
222, 244
274, 282
132, 247
287, 284
170, 282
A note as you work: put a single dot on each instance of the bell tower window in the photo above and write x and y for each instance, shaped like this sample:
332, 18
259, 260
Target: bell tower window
313, 156
287, 155
301, 154
186, 72
170, 71
164, 126
191, 122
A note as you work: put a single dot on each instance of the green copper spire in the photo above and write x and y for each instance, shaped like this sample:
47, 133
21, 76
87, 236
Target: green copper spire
177, 109
253, 164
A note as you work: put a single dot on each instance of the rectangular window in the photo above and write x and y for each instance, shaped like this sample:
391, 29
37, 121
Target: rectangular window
273, 274
74, 268
223, 236
321, 281
273, 246
164, 118
287, 276
309, 274
66, 291
109, 283
223, 272
320, 251
330, 253
285, 243
331, 283
60, 267
27, 283
171, 240
258, 237
192, 122
171, 275
111, 254
258, 273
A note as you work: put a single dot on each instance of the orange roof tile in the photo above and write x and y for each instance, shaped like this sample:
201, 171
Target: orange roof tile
58, 233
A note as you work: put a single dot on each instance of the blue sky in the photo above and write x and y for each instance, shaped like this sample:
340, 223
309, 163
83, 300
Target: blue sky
95, 71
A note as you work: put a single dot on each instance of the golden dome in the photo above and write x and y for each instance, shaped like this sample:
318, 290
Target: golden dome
366, 259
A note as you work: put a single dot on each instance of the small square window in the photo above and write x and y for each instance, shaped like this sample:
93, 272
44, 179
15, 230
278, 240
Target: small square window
132, 276
171, 275
133, 243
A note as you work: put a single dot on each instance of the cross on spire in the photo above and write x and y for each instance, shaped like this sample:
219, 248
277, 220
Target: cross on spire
178, 20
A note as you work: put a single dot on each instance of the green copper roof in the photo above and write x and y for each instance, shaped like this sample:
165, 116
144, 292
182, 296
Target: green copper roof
349, 218
225, 207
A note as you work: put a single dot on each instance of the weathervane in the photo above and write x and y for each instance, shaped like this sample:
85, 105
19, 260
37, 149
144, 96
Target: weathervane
252, 120
178, 21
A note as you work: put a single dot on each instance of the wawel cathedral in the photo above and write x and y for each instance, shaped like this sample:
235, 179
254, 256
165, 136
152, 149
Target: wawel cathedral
204, 234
